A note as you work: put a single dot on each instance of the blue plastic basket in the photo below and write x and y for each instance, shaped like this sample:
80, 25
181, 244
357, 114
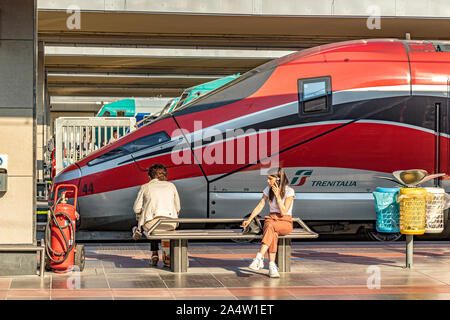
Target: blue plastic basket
388, 210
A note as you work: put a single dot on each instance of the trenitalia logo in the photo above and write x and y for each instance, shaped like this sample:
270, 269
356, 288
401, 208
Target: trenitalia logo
300, 177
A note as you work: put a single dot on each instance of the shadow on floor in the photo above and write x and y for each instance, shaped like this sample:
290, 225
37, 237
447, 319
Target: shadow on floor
342, 258
122, 261
420, 252
240, 266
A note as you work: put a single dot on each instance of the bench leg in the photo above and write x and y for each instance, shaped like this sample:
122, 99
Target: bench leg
283, 257
178, 255
43, 253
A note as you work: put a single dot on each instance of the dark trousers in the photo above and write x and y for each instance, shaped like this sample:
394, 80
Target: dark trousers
154, 245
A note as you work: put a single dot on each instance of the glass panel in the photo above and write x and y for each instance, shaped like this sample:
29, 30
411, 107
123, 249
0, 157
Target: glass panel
313, 90
133, 146
319, 104
181, 101
110, 155
147, 142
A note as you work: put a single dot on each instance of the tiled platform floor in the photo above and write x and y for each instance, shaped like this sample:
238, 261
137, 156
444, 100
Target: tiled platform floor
320, 270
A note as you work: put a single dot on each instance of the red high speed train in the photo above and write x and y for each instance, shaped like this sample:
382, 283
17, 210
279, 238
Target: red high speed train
339, 114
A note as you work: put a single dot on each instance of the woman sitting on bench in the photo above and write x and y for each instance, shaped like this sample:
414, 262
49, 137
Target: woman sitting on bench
157, 199
278, 223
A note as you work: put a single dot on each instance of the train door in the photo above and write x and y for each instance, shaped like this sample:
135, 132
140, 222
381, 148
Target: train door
441, 145
442, 109
430, 94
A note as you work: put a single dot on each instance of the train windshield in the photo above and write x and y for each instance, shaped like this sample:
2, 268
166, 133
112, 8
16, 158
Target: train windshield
238, 88
133, 146
182, 99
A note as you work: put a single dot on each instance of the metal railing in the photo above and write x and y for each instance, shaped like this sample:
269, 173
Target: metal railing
76, 137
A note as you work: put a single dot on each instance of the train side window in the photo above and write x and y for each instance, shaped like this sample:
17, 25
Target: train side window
133, 146
314, 96
147, 142
110, 155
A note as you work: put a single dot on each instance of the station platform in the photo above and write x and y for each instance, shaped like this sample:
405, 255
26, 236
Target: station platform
219, 270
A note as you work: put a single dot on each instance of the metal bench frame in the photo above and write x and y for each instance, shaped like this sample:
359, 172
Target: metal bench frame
179, 239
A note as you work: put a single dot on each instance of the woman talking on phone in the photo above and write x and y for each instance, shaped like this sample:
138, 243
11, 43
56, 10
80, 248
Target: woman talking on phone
278, 223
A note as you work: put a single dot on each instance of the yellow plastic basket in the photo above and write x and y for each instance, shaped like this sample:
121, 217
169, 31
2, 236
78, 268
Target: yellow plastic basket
413, 210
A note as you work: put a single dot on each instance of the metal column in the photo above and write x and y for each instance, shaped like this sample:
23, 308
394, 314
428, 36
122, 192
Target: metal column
409, 250
18, 90
178, 255
283, 257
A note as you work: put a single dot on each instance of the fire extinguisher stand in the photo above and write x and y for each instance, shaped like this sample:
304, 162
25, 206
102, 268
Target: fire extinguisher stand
62, 252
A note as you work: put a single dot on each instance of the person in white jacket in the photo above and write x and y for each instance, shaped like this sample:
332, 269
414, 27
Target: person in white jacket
156, 199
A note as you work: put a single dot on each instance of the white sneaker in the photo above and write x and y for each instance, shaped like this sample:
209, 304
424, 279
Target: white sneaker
273, 271
257, 264
136, 233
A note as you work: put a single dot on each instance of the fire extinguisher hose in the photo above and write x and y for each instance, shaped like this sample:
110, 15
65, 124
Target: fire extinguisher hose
48, 236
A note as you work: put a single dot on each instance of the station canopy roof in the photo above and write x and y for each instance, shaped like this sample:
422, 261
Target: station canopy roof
158, 48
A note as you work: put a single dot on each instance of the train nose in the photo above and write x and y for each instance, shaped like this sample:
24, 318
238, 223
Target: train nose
70, 175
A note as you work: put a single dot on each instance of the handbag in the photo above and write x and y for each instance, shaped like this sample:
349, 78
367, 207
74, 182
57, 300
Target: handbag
254, 227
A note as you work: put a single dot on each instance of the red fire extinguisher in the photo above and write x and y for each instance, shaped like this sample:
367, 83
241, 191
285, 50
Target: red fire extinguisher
62, 253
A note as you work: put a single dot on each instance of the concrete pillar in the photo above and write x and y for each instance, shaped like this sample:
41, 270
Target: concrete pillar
18, 132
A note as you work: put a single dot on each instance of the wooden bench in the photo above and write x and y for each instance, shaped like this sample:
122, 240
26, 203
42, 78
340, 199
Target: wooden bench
179, 239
